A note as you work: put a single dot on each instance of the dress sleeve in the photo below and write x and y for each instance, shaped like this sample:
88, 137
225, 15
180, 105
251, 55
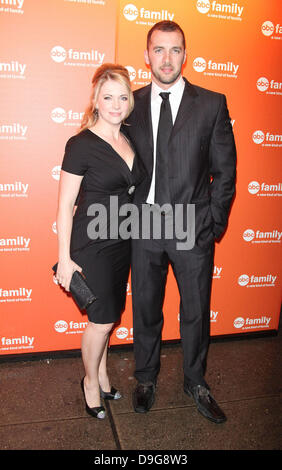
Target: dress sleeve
75, 157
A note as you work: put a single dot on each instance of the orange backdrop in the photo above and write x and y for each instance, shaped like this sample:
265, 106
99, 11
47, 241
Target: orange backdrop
52, 49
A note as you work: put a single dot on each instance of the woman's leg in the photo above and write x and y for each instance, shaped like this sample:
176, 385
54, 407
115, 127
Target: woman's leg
103, 373
94, 350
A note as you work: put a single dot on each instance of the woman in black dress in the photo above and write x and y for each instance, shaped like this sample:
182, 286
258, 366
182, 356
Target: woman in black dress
99, 163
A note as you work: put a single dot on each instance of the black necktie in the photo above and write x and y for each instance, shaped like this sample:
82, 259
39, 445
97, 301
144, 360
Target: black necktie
162, 195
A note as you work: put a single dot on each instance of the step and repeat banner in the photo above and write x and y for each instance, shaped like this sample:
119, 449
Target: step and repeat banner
49, 53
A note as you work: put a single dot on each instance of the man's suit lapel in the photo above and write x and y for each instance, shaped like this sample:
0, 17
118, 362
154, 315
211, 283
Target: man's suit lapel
144, 120
186, 108
144, 111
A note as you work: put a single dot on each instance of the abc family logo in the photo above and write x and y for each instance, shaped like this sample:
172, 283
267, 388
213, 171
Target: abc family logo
14, 131
271, 30
124, 333
67, 118
71, 327
253, 280
12, 69
12, 6
16, 189
265, 189
16, 243
267, 139
220, 10
259, 236
217, 69
270, 87
251, 323
138, 77
93, 57
56, 172
132, 13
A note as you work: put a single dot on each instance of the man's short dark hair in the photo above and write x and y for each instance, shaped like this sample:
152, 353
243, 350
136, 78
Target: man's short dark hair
166, 26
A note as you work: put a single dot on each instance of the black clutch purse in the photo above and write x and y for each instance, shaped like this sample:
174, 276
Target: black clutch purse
79, 289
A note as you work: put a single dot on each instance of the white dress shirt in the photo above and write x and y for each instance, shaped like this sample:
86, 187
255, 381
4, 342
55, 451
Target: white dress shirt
176, 92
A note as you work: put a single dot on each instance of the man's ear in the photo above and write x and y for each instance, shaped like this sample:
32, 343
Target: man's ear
146, 56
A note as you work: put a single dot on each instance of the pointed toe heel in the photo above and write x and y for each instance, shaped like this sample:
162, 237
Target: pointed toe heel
112, 395
97, 411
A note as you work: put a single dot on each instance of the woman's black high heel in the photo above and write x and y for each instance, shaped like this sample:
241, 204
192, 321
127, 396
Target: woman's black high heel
112, 395
97, 411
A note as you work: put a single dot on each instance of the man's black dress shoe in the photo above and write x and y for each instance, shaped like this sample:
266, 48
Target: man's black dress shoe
205, 402
143, 397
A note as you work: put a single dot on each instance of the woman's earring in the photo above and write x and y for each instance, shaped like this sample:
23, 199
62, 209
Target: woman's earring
96, 113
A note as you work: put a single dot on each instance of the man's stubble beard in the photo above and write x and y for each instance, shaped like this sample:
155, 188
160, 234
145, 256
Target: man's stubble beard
168, 80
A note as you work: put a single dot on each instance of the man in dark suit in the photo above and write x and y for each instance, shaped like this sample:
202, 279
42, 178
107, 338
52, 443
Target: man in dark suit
185, 140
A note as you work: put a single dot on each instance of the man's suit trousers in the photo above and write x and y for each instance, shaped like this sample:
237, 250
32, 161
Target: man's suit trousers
193, 272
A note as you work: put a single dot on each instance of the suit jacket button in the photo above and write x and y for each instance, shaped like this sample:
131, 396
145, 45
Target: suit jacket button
131, 189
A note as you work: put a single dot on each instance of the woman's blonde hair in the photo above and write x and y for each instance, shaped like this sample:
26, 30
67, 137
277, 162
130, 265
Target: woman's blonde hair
106, 72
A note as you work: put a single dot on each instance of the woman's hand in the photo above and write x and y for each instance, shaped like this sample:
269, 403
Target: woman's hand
65, 271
